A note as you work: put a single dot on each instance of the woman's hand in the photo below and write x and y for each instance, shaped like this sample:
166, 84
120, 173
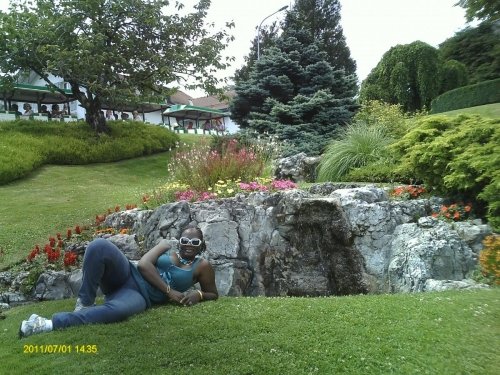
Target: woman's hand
190, 299
176, 296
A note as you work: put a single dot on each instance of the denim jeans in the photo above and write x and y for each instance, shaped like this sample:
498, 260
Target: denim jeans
104, 266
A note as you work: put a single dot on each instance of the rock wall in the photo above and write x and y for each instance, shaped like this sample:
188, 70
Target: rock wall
330, 240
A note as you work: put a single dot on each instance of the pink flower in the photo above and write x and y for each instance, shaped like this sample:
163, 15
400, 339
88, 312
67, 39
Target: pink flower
283, 184
187, 195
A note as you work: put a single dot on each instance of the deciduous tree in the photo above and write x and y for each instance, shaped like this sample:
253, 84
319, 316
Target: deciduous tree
478, 48
481, 9
111, 51
408, 75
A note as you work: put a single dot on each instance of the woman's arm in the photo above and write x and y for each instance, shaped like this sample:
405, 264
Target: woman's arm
206, 278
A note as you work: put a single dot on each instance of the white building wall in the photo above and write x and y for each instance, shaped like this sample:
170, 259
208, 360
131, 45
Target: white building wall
75, 109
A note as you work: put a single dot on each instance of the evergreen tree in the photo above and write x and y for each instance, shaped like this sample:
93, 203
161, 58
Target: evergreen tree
321, 20
268, 37
294, 92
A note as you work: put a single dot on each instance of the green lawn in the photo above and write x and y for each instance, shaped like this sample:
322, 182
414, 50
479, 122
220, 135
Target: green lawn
488, 110
425, 333
434, 333
55, 198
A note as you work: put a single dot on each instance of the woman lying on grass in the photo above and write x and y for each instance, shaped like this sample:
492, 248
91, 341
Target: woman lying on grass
159, 277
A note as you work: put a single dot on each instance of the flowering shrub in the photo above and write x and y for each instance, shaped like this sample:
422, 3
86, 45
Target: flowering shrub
54, 251
229, 188
99, 219
102, 231
54, 256
163, 194
283, 184
202, 167
489, 259
225, 189
267, 146
454, 212
407, 192
193, 196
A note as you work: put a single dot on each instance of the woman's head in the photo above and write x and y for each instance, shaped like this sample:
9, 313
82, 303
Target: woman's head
191, 240
27, 106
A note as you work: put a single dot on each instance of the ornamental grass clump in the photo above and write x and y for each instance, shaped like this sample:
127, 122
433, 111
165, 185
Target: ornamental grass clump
361, 145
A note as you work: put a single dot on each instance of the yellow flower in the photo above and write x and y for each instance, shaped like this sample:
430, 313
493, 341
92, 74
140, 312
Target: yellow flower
230, 191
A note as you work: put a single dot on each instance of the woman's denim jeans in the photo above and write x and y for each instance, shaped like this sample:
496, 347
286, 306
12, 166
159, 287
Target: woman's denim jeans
104, 266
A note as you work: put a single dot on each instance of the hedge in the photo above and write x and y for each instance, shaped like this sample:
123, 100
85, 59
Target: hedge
486, 92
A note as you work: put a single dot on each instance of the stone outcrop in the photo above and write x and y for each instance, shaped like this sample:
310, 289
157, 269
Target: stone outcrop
331, 240
297, 168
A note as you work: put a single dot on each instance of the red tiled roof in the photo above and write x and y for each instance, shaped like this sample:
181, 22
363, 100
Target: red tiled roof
180, 97
213, 101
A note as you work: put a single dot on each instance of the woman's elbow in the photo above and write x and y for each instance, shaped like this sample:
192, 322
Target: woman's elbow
142, 265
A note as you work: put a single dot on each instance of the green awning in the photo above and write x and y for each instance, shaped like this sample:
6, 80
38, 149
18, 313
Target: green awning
192, 112
33, 94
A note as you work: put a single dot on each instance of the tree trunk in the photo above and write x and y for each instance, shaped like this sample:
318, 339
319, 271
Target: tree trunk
95, 116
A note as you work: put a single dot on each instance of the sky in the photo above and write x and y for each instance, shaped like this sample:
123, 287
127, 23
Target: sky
371, 27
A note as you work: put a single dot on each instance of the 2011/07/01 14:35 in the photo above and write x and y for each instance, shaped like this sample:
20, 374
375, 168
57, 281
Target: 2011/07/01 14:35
59, 348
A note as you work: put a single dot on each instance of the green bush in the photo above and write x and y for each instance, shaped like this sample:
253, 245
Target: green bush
27, 145
456, 156
361, 144
486, 92
389, 116
379, 172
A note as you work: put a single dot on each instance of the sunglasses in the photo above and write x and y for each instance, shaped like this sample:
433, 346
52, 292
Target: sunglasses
190, 241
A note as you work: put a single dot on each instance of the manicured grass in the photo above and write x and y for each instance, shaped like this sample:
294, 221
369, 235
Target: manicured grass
55, 198
434, 333
488, 110
427, 333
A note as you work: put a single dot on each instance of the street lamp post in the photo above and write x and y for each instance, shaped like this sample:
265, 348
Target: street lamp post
258, 30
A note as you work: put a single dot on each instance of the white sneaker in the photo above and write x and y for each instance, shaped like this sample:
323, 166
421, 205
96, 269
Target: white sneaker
35, 324
80, 306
